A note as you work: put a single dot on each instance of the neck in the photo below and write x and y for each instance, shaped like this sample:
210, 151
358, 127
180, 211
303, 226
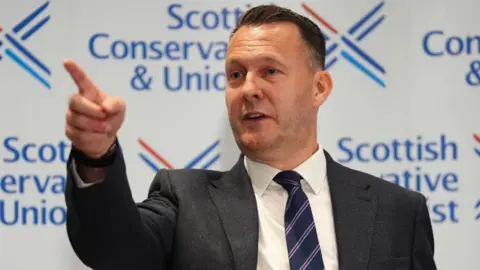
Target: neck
286, 158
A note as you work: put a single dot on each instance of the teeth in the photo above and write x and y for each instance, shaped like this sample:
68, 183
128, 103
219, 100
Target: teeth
255, 115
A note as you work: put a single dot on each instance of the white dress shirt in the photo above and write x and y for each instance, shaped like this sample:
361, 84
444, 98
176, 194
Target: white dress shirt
271, 200
78, 180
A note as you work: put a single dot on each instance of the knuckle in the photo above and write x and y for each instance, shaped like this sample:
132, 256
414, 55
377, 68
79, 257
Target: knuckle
71, 133
73, 100
68, 133
72, 118
87, 121
70, 100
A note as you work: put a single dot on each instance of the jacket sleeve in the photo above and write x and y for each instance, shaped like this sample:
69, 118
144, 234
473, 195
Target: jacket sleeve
423, 240
108, 230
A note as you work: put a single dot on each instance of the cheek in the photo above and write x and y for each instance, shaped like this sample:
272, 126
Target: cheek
292, 109
233, 103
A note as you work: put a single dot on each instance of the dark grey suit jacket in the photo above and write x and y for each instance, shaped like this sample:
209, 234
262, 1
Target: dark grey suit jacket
199, 219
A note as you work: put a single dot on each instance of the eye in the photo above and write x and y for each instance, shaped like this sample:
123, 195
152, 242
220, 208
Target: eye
235, 74
271, 71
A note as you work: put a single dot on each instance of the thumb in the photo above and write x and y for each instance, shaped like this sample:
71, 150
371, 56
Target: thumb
113, 105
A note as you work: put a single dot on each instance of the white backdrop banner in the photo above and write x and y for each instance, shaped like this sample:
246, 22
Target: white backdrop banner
405, 104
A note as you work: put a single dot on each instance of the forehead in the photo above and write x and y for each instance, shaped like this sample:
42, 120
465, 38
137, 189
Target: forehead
275, 40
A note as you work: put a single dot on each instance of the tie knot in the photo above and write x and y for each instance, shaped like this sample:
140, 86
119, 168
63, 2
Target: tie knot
288, 179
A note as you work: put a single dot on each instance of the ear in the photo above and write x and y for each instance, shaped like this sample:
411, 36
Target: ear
322, 88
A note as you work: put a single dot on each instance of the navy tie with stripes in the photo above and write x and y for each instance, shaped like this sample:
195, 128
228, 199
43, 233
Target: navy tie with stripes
300, 232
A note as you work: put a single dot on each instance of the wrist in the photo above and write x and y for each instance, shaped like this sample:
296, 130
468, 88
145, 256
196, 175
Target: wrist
105, 160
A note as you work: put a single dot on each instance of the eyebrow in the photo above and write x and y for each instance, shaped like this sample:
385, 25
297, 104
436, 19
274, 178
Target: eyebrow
273, 59
263, 58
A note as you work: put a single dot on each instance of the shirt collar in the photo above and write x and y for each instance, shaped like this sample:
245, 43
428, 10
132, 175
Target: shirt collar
313, 171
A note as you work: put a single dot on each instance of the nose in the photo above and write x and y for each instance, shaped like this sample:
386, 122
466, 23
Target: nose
251, 90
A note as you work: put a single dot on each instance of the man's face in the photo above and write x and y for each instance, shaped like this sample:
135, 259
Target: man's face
272, 90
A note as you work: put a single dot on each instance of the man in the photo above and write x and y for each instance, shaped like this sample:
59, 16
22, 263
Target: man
286, 204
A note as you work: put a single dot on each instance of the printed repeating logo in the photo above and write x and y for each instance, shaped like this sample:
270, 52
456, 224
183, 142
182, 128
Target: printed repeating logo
348, 44
476, 137
14, 44
201, 161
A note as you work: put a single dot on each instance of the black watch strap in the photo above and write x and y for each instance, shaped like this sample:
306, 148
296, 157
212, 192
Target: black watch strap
104, 161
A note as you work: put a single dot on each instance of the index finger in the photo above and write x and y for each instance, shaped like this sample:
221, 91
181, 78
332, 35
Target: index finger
85, 85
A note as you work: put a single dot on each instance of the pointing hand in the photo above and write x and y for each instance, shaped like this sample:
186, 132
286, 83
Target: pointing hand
93, 118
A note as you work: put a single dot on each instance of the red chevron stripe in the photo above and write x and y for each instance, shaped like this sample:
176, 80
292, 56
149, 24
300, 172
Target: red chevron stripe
155, 154
476, 137
320, 19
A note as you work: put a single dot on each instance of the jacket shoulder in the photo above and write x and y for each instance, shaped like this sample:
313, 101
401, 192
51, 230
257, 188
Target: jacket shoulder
184, 178
384, 188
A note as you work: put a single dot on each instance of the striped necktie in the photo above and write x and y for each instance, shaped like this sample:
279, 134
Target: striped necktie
302, 241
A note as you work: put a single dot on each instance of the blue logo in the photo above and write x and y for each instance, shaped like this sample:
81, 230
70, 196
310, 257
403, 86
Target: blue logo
164, 60
439, 43
360, 30
16, 51
197, 162
409, 164
27, 192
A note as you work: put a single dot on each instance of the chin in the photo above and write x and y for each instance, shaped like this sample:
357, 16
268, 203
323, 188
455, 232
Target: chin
254, 142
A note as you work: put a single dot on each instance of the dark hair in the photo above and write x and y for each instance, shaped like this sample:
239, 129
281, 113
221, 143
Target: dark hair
310, 32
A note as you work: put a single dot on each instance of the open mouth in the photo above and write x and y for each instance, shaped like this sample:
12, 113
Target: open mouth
254, 116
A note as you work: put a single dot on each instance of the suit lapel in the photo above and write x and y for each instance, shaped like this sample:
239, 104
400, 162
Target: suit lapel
354, 211
235, 201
